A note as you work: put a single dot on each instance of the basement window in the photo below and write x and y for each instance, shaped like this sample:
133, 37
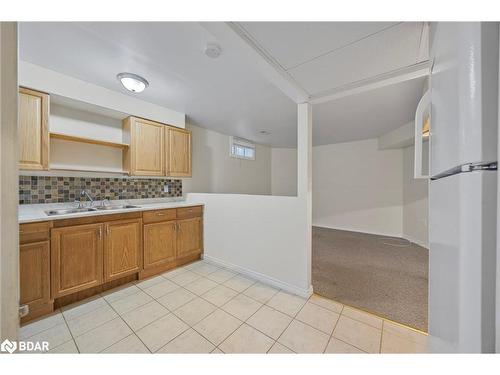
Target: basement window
241, 149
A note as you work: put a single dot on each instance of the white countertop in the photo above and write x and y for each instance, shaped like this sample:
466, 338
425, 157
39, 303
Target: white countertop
30, 213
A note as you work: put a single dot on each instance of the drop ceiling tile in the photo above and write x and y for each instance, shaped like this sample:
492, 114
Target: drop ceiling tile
293, 43
391, 49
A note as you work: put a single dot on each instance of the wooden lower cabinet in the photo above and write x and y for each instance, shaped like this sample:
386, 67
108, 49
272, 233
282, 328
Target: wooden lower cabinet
67, 260
122, 248
76, 258
34, 272
189, 237
159, 243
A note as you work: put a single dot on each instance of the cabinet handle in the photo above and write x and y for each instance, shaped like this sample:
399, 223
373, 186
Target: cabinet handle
107, 230
160, 214
100, 233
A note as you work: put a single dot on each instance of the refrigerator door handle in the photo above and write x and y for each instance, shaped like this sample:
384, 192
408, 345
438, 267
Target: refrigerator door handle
468, 167
422, 106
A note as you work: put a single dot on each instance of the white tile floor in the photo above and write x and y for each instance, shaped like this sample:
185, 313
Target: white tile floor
202, 308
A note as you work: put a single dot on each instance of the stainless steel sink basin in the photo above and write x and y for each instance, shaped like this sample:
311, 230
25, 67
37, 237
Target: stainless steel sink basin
115, 207
65, 211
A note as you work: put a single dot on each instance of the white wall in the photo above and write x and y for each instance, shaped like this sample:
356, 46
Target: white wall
356, 198
51, 82
284, 171
258, 235
358, 187
267, 237
415, 201
214, 171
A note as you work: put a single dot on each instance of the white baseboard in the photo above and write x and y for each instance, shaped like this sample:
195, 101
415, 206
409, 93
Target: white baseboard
400, 235
419, 243
306, 293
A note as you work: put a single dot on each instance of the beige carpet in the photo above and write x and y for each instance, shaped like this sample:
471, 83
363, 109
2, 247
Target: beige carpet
386, 276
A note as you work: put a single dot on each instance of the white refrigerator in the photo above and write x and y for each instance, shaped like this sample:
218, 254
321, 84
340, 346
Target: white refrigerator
463, 108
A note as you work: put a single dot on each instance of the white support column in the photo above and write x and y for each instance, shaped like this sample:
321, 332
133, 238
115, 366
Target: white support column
9, 241
304, 178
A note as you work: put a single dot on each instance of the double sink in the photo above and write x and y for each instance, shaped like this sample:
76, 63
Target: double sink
65, 211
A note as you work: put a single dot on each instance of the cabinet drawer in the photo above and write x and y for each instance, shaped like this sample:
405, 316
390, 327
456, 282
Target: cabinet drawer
188, 212
34, 232
158, 215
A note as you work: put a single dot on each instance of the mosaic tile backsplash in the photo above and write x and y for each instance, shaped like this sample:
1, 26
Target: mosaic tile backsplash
43, 189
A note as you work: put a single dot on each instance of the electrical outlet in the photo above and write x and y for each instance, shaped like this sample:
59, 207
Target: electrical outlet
166, 188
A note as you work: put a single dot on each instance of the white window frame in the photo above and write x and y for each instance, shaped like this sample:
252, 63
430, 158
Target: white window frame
234, 141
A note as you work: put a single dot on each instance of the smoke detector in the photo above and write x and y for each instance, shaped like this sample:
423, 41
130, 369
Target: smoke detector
213, 50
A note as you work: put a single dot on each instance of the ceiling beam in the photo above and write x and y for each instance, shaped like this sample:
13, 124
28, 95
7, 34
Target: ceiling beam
234, 36
390, 78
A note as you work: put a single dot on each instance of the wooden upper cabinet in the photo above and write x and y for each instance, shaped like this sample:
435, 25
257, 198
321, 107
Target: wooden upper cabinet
76, 255
33, 130
160, 243
189, 236
156, 149
34, 274
144, 156
122, 248
178, 152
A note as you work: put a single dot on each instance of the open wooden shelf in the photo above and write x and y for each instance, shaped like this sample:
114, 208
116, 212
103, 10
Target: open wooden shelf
74, 138
70, 168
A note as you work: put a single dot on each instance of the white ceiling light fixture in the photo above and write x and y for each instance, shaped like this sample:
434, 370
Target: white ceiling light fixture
132, 82
213, 50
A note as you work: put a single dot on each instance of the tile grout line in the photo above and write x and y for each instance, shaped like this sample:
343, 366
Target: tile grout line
336, 338
133, 332
245, 321
134, 283
416, 330
173, 313
70, 332
220, 308
291, 321
43, 330
359, 321
202, 297
335, 326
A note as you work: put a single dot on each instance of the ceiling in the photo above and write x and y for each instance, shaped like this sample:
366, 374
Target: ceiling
325, 55
229, 94
367, 115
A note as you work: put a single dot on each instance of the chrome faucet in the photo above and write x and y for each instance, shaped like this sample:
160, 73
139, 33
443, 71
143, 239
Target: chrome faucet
84, 193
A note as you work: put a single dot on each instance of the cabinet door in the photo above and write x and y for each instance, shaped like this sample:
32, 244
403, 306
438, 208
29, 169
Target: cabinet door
146, 148
178, 152
76, 257
189, 237
122, 248
159, 243
33, 130
34, 274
